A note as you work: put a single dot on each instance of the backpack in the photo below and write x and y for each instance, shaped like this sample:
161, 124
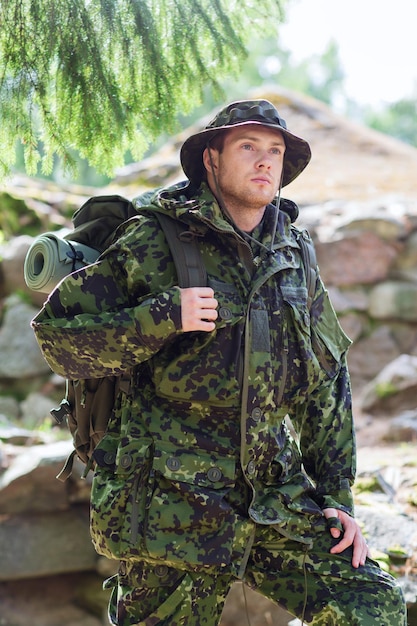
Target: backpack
88, 404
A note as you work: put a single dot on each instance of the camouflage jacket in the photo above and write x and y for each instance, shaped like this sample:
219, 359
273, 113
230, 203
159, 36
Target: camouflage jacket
200, 453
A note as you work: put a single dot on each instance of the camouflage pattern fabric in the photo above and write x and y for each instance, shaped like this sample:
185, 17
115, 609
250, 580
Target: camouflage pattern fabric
313, 585
200, 455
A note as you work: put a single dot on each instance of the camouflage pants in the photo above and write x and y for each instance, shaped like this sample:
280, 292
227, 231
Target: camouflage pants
310, 583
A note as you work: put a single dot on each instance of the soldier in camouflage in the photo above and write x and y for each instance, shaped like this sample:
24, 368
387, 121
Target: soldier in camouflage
234, 455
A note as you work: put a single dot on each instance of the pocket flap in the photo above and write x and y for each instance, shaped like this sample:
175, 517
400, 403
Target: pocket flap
195, 467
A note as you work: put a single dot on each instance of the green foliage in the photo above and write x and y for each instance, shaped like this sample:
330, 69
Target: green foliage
385, 389
366, 484
412, 497
106, 76
382, 559
397, 119
17, 218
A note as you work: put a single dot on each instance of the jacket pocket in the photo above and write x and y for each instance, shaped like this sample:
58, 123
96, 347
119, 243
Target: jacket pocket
286, 479
329, 341
315, 336
118, 497
165, 505
189, 519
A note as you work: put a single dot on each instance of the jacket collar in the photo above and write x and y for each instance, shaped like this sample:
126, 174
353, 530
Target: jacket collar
200, 207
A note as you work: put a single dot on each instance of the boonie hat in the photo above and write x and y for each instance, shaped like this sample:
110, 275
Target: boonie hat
244, 112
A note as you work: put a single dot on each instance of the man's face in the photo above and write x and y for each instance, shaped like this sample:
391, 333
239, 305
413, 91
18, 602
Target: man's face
248, 168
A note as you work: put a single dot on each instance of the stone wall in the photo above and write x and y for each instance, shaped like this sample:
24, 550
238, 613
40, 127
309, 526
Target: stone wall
367, 253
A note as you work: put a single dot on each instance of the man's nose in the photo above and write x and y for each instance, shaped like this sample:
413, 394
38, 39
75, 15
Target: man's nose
264, 160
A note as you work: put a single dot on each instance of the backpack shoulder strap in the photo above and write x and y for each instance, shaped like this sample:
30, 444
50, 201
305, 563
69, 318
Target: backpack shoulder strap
308, 252
308, 255
185, 252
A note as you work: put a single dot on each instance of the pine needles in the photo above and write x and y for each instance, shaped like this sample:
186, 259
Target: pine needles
106, 76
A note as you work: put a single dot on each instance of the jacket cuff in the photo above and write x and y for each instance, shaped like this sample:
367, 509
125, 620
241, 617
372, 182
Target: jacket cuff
336, 496
160, 316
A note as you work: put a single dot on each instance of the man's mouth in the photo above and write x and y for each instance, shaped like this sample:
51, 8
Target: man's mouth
262, 180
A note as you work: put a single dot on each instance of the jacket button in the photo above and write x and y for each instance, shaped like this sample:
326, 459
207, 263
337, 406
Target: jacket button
126, 461
109, 458
161, 570
251, 467
214, 474
256, 414
225, 313
173, 463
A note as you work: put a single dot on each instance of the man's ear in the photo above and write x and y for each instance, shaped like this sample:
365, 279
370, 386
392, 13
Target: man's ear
210, 159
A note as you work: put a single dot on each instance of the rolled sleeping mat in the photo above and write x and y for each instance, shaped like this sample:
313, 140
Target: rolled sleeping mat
50, 258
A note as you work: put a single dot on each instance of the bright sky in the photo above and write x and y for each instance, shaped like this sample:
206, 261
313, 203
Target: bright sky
377, 43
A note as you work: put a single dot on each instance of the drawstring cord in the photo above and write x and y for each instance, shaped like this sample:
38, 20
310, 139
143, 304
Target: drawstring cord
245, 600
277, 204
303, 613
219, 194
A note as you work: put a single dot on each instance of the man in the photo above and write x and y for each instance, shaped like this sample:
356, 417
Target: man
199, 481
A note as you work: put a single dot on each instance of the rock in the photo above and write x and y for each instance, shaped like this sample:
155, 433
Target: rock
90, 595
47, 601
35, 408
386, 527
20, 356
389, 533
354, 325
348, 300
18, 436
29, 485
405, 266
408, 586
389, 228
364, 257
106, 567
402, 428
405, 336
12, 255
371, 353
9, 407
42, 545
394, 300
394, 389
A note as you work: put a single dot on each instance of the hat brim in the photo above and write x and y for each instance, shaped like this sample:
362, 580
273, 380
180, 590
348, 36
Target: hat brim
297, 152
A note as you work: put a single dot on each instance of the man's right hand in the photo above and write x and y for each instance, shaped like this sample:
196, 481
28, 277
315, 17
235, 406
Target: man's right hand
198, 309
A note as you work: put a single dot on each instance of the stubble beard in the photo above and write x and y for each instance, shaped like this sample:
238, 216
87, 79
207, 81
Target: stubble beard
246, 200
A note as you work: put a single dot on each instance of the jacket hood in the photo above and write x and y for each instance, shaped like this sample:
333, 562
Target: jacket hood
199, 209
182, 197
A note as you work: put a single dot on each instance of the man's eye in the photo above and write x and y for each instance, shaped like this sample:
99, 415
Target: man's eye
247, 146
